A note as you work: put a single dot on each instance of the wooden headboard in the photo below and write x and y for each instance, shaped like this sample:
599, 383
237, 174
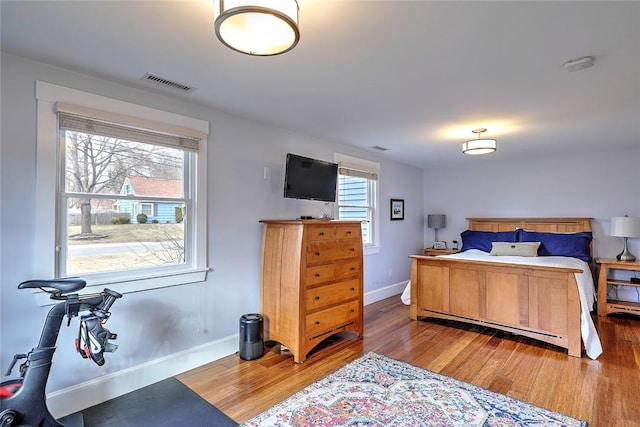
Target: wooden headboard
543, 225
547, 225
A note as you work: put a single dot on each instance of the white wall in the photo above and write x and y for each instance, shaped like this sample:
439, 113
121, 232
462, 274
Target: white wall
171, 322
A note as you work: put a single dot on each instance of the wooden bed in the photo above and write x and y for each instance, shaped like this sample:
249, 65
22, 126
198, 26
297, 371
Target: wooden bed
535, 301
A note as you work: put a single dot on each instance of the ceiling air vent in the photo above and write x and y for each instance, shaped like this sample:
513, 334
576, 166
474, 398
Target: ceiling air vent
379, 148
161, 81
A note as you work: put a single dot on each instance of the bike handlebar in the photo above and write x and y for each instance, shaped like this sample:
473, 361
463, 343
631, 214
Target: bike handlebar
109, 298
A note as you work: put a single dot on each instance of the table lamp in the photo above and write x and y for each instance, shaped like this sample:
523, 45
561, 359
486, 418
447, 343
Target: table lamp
437, 221
625, 226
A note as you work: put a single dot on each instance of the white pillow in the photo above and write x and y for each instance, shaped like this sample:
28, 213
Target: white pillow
514, 249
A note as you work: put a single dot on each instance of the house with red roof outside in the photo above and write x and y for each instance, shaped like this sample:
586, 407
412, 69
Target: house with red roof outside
160, 211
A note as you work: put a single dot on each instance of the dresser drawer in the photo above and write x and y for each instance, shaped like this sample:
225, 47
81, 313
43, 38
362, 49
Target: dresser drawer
324, 252
326, 320
320, 274
346, 269
331, 294
334, 271
348, 231
320, 233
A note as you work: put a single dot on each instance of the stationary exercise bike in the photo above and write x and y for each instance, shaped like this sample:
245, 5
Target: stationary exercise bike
23, 401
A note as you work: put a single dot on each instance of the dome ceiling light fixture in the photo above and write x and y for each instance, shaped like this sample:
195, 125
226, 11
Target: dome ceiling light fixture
480, 145
257, 27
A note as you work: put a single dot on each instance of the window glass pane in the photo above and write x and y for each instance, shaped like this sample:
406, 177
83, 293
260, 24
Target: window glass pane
119, 243
359, 214
104, 165
354, 202
352, 191
124, 205
147, 209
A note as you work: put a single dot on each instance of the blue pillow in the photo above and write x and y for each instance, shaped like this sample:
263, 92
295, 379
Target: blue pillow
482, 239
576, 245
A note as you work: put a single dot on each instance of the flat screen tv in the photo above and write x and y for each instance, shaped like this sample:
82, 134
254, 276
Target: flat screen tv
311, 179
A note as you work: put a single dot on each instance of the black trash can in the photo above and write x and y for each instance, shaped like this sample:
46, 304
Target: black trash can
251, 341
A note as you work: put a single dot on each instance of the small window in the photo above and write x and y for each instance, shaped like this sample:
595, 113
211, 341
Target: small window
357, 195
147, 209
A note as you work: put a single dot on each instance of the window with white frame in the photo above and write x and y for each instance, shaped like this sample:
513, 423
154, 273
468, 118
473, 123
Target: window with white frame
357, 196
130, 191
147, 209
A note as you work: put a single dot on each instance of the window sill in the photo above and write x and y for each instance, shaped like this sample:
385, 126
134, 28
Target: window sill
130, 282
371, 249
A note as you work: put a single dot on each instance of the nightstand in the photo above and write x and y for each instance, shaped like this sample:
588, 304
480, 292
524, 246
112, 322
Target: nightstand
606, 306
435, 252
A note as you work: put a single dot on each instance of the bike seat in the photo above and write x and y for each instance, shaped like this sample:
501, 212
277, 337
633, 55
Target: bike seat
71, 284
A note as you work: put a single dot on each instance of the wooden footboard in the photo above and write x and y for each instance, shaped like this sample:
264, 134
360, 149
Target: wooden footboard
538, 302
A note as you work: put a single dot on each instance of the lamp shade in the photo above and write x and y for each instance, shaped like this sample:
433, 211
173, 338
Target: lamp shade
436, 221
257, 27
624, 226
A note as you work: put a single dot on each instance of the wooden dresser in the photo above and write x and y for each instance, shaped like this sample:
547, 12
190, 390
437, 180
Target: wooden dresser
311, 281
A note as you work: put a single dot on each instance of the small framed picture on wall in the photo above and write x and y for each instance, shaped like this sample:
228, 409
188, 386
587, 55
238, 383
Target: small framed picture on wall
397, 209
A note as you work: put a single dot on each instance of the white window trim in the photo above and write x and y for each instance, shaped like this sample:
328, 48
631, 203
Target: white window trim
47, 95
368, 166
150, 205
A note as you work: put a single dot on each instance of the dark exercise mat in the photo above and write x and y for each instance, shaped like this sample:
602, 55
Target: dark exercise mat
167, 403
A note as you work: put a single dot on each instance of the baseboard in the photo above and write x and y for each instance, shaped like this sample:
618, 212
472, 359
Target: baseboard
78, 397
386, 292
73, 399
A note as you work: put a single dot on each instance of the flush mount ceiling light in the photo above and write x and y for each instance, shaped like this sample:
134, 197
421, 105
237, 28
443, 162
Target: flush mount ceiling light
480, 145
257, 27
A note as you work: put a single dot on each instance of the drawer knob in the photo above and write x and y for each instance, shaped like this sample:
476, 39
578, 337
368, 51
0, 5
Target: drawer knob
317, 274
353, 249
321, 233
348, 232
317, 322
317, 253
317, 298
352, 310
353, 289
353, 269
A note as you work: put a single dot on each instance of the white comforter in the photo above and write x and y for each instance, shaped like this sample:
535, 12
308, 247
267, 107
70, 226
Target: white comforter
586, 289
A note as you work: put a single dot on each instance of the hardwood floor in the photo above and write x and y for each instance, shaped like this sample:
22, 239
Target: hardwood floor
604, 392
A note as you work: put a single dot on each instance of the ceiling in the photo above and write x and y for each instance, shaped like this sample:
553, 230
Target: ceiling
412, 76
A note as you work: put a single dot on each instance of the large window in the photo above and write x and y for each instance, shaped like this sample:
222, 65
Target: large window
129, 192
357, 196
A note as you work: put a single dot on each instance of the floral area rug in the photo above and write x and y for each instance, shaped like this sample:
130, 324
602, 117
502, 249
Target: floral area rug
375, 390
